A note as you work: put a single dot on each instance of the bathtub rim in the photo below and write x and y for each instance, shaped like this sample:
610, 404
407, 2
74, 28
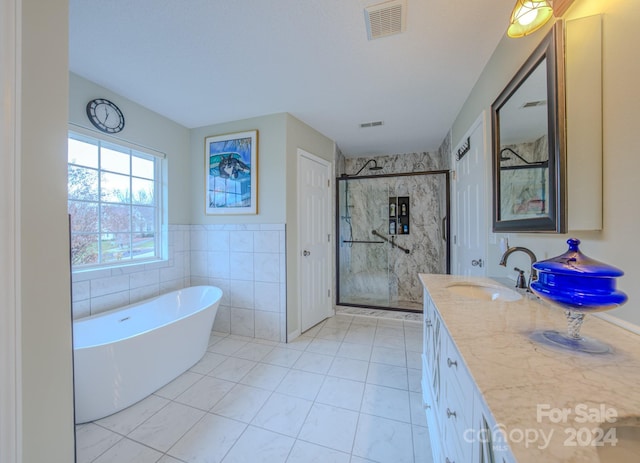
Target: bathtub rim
135, 304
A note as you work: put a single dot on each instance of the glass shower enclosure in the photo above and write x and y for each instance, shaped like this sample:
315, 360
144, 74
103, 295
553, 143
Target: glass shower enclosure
390, 228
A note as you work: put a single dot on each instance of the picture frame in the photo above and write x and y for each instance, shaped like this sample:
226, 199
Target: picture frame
231, 173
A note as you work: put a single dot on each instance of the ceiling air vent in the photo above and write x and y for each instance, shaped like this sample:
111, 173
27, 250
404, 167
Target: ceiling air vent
370, 124
385, 18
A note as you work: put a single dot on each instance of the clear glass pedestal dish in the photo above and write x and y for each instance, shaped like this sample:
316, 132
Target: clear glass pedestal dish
580, 285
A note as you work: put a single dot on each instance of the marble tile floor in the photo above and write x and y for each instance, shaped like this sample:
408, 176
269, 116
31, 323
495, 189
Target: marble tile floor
347, 390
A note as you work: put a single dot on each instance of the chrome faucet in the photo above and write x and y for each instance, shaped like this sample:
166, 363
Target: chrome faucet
533, 276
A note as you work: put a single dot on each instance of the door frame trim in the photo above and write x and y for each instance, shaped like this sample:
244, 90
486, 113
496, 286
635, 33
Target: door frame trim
329, 168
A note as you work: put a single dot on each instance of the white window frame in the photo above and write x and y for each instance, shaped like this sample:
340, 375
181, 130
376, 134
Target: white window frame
161, 232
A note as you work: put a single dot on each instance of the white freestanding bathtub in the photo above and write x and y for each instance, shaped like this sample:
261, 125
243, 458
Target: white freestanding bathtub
123, 355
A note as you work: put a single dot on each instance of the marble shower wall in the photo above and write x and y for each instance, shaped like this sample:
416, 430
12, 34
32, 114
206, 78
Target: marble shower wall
524, 192
374, 272
398, 163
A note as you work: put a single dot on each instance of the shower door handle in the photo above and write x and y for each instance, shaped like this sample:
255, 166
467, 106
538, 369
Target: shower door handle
305, 253
444, 228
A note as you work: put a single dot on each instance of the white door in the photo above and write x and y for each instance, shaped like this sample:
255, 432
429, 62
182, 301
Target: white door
470, 235
314, 225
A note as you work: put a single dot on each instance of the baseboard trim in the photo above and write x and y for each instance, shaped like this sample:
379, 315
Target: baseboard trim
292, 336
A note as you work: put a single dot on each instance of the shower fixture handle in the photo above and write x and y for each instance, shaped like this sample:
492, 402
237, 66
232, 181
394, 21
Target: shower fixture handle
305, 253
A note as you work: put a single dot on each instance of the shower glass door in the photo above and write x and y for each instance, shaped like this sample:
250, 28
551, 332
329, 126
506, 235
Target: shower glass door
390, 228
363, 257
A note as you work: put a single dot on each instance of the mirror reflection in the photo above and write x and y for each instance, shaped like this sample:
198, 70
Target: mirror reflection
524, 150
528, 144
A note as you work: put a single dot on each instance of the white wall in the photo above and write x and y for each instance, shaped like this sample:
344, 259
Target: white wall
615, 244
271, 170
279, 137
46, 381
99, 290
147, 129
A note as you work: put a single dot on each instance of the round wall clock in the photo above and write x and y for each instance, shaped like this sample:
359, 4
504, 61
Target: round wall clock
105, 115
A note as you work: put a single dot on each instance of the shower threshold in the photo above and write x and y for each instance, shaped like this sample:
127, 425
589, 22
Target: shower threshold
392, 305
379, 313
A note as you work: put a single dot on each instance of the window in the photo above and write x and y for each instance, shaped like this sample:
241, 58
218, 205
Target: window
115, 203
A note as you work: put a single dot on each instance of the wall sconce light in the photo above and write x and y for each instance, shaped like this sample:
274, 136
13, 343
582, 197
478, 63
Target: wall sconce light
528, 16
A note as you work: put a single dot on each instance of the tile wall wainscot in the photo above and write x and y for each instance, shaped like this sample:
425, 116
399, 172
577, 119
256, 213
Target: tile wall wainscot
248, 262
96, 291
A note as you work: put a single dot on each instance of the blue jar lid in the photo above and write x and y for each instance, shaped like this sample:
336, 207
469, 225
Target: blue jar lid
573, 262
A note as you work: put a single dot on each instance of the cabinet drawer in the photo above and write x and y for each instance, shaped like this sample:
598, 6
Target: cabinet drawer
460, 386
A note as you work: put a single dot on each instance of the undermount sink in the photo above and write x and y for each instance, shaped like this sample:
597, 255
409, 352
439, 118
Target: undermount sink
484, 292
626, 448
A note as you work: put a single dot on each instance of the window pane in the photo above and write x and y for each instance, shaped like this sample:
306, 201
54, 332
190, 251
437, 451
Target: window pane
84, 249
114, 188
142, 167
84, 216
143, 220
115, 218
113, 201
82, 183
115, 247
83, 153
115, 161
142, 191
144, 245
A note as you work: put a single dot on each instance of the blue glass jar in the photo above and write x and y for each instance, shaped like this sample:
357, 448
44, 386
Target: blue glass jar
578, 282
580, 285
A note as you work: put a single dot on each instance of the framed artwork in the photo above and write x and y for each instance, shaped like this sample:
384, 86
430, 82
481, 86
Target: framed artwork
231, 173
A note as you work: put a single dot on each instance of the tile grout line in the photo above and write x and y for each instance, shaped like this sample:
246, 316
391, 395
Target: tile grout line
336, 334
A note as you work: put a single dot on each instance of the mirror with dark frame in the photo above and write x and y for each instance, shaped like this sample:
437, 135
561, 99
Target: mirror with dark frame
528, 120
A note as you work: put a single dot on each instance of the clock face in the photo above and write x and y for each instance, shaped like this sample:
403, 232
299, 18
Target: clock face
105, 115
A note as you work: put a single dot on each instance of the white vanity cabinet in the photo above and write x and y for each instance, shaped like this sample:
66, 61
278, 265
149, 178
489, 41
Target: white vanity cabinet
460, 427
484, 377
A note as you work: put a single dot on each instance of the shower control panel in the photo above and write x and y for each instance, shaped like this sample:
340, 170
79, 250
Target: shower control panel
399, 215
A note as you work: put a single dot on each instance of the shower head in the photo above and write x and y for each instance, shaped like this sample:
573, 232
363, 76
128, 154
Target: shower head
375, 166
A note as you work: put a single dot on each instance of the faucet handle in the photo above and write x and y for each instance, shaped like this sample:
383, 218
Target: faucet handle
520, 281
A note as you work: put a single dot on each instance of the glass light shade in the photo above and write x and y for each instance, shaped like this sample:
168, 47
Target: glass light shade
528, 16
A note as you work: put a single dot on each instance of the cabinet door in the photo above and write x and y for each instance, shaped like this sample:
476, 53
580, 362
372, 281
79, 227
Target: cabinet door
489, 445
436, 359
430, 366
428, 311
432, 348
459, 394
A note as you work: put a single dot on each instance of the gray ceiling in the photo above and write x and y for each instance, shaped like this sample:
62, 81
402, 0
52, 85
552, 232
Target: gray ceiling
203, 62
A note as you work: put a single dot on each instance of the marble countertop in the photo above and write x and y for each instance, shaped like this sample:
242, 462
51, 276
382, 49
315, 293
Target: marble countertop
546, 398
